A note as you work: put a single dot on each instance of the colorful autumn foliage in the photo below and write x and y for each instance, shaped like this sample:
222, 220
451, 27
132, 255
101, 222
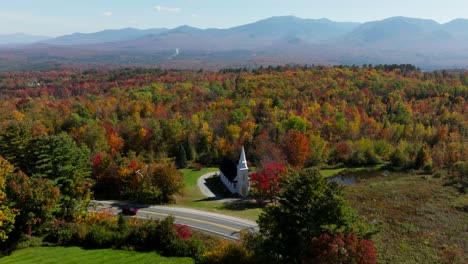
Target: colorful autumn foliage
266, 183
108, 124
296, 147
227, 252
34, 198
341, 248
153, 112
7, 214
183, 232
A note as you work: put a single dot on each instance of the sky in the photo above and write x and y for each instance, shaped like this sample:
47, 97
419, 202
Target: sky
60, 17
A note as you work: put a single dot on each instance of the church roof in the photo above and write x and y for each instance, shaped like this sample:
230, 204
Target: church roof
228, 168
243, 161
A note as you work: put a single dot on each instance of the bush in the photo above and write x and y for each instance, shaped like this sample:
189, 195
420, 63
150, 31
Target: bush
62, 236
363, 158
162, 236
397, 159
63, 233
139, 236
98, 237
227, 253
458, 178
26, 241
345, 249
440, 174
183, 232
451, 256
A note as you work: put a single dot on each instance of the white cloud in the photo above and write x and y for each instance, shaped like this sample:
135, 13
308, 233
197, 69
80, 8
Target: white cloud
132, 22
166, 9
107, 14
195, 16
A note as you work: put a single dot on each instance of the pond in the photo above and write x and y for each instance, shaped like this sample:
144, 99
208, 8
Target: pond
352, 177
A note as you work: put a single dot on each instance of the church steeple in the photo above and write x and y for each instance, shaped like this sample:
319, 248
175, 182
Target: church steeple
242, 161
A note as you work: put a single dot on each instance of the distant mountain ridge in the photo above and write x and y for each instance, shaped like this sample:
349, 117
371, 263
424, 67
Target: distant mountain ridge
21, 38
275, 40
110, 35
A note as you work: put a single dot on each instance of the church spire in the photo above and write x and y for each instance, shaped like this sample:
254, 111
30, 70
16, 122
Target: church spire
242, 161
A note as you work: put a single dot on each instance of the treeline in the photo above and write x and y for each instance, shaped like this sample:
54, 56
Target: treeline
138, 119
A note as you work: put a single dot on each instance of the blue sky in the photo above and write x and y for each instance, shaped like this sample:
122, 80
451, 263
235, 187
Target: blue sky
58, 17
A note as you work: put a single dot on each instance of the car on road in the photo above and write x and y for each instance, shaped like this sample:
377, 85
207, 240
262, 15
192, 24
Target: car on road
126, 210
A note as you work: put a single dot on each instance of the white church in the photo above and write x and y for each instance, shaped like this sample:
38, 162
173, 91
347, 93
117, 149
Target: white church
236, 176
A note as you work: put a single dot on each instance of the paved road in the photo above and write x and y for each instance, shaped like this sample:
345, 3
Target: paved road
218, 224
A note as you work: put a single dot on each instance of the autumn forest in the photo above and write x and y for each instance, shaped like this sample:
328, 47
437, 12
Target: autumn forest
122, 134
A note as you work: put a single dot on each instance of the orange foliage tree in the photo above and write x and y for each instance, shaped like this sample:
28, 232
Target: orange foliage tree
296, 147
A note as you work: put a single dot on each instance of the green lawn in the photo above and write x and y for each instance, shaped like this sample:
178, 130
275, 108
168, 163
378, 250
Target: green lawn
70, 255
191, 175
331, 172
194, 199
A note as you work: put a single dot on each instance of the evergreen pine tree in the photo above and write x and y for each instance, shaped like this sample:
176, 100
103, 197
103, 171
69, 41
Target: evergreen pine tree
181, 158
188, 150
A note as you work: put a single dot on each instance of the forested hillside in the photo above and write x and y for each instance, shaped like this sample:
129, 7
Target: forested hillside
130, 119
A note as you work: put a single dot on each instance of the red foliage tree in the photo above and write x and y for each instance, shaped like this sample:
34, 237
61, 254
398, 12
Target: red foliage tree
341, 248
266, 182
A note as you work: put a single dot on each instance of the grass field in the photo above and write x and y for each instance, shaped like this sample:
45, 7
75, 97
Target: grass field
331, 172
71, 255
194, 199
327, 173
420, 221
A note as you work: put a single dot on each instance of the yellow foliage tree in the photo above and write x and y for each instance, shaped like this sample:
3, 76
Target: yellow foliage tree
7, 215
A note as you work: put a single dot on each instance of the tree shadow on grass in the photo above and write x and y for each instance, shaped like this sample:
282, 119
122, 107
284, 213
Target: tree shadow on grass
241, 205
215, 185
230, 201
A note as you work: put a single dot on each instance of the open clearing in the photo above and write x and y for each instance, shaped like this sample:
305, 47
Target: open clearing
419, 218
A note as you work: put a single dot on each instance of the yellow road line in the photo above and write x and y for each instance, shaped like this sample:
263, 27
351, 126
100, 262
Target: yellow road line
192, 219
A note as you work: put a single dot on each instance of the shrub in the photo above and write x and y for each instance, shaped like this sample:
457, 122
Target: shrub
183, 232
346, 249
166, 237
227, 253
162, 236
458, 177
397, 159
26, 241
440, 174
451, 256
98, 217
98, 237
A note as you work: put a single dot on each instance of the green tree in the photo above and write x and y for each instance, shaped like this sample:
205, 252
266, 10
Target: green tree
188, 150
59, 159
423, 159
14, 142
397, 159
307, 206
181, 158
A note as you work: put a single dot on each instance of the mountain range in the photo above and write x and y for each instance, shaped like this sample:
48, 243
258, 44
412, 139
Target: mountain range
276, 40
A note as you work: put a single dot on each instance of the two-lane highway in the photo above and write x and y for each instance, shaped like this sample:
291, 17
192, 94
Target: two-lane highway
218, 224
